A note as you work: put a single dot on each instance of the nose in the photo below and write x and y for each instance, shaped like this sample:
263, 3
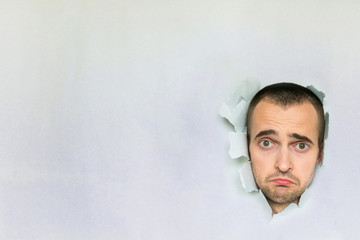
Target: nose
283, 161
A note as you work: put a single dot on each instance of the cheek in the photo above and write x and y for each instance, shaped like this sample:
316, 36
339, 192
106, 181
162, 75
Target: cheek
305, 167
262, 162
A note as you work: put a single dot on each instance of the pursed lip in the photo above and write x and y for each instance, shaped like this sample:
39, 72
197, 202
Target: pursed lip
282, 181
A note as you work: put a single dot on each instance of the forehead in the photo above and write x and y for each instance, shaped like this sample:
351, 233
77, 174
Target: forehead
298, 118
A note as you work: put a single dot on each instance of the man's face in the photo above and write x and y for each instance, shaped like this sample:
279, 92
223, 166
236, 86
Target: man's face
284, 149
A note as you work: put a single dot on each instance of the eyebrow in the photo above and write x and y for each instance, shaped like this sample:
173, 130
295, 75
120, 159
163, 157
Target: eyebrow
300, 137
292, 135
266, 132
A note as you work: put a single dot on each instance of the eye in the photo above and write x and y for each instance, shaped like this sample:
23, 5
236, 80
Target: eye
265, 143
301, 146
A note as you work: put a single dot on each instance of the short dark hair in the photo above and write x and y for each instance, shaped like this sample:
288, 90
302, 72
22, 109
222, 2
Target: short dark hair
286, 95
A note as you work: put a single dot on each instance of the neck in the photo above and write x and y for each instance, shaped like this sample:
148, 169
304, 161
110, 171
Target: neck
278, 207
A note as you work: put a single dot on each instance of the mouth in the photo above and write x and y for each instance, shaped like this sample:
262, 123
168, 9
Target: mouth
282, 181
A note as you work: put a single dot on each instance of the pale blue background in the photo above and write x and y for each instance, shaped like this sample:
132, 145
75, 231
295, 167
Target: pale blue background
109, 125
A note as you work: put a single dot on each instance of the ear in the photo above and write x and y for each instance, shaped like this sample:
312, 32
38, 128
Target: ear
320, 154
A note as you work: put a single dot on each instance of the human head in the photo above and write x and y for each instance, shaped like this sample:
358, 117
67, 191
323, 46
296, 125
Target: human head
285, 138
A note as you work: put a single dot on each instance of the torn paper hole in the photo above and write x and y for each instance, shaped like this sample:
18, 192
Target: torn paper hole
235, 111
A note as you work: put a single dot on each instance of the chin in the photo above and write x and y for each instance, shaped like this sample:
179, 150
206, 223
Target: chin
282, 196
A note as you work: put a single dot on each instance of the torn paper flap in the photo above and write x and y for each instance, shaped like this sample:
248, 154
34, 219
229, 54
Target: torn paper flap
236, 115
247, 89
247, 178
238, 145
318, 93
321, 96
235, 109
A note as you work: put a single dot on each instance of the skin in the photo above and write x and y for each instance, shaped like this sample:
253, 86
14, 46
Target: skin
283, 145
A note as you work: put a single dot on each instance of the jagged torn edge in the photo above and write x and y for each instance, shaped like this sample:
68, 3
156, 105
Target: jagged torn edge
321, 96
235, 111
